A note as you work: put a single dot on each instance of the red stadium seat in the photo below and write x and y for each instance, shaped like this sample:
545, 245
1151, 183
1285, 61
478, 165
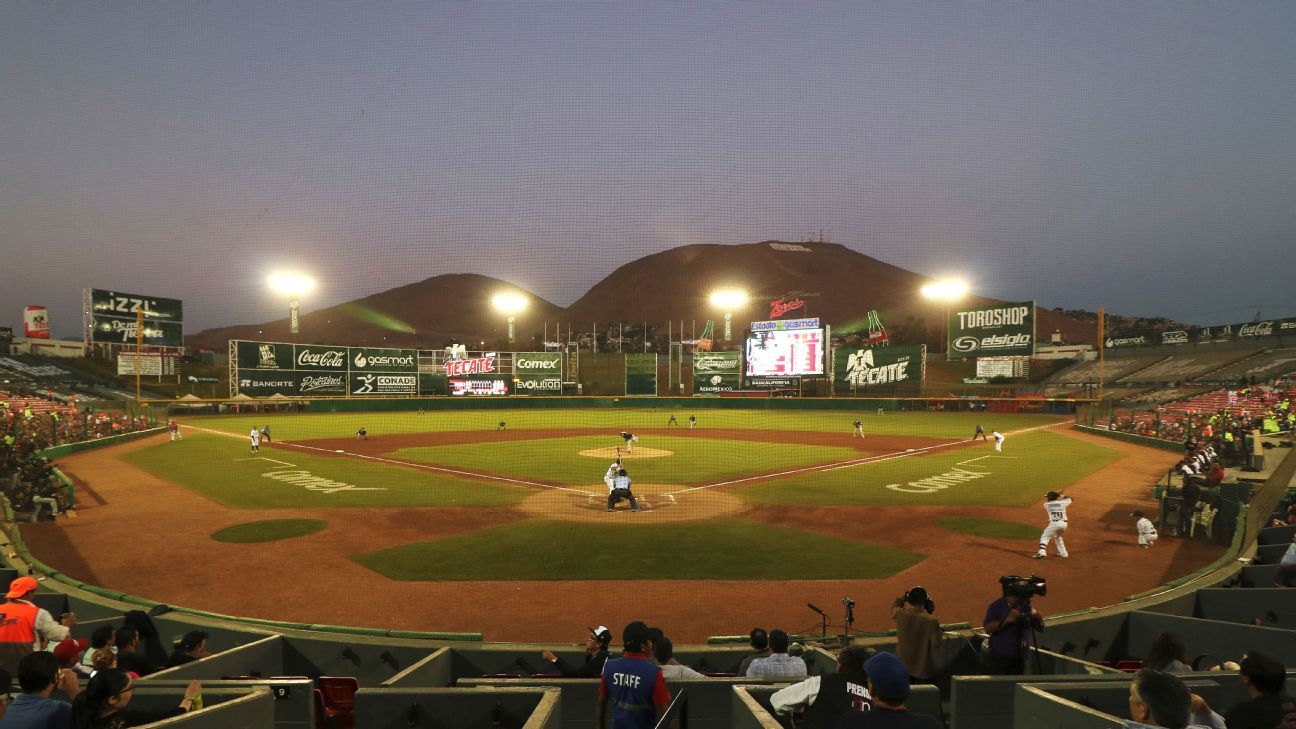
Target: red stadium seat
1129, 666
325, 718
339, 696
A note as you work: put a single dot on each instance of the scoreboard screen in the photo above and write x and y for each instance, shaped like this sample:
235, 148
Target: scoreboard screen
785, 353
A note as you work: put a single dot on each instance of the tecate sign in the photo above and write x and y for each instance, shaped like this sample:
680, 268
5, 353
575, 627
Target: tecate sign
383, 360
1012, 315
322, 383
998, 341
536, 364
860, 370
460, 367
332, 359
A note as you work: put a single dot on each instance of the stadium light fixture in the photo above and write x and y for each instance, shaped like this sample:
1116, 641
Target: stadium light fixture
727, 300
292, 285
510, 303
946, 291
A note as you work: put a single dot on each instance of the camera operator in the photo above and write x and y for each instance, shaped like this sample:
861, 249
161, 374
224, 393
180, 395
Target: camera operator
918, 633
1009, 621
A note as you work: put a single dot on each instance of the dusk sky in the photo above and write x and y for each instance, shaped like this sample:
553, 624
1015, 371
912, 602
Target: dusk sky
1135, 155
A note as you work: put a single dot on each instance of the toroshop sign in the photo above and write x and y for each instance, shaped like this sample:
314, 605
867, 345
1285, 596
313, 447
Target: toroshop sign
460, 367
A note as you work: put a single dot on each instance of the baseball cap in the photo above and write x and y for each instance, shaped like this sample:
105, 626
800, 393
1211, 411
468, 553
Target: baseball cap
634, 635
1051, 496
69, 651
1136, 513
192, 639
888, 674
22, 586
601, 634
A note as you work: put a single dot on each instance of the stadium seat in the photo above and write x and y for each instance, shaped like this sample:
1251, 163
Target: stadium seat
501, 675
325, 718
1129, 666
546, 675
718, 674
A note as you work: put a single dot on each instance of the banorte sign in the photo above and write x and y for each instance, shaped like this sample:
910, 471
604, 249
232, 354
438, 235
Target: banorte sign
461, 367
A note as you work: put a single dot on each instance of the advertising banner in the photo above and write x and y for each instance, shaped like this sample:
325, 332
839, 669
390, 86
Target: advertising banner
258, 383
482, 365
264, 356
484, 388
318, 357
319, 370
114, 318
365, 359
537, 373
773, 383
36, 322
715, 372
322, 384
862, 368
641, 374
383, 385
1001, 329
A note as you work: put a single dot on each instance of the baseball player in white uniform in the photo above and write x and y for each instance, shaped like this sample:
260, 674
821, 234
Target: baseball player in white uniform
255, 435
859, 429
1146, 530
999, 439
1055, 505
612, 472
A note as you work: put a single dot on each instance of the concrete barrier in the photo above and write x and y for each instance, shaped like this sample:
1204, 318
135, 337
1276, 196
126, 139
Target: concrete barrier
435, 708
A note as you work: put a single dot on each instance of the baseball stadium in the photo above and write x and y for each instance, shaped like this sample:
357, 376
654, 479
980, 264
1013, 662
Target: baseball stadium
557, 423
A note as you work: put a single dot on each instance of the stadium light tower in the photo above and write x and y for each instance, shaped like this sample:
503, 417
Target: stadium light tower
946, 291
510, 303
727, 300
292, 285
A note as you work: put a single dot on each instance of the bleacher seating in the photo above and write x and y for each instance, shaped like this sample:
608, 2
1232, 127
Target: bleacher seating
1258, 368
1113, 369
1183, 367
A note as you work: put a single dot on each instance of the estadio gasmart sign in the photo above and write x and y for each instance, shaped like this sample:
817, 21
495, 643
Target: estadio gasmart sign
998, 330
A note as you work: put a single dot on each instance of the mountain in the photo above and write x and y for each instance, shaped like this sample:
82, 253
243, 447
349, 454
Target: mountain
427, 314
838, 285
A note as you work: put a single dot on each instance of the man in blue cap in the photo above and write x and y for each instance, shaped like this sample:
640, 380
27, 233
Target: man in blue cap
633, 684
888, 684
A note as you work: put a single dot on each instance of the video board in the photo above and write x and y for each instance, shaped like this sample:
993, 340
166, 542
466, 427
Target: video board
785, 352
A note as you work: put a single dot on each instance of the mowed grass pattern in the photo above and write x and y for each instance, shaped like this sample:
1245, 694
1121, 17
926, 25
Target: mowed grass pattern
215, 467
553, 550
692, 459
1031, 465
296, 427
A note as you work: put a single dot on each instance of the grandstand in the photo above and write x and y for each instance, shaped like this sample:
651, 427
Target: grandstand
1259, 367
1114, 369
1182, 367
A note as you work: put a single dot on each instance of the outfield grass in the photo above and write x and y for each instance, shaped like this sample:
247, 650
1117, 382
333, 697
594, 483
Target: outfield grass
554, 550
1030, 465
341, 425
693, 459
993, 528
269, 530
222, 469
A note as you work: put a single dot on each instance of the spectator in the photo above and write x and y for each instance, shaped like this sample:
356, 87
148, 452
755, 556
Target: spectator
101, 660
1010, 634
888, 684
664, 655
193, 646
918, 633
5, 682
1167, 654
1158, 699
69, 653
778, 664
1264, 678
100, 638
760, 646
128, 659
1290, 518
1188, 498
633, 683
824, 698
38, 675
596, 654
103, 703
1287, 566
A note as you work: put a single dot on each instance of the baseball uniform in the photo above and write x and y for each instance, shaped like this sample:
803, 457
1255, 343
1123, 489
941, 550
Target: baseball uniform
174, 427
620, 489
672, 420
255, 435
979, 431
1057, 526
859, 429
630, 440
1146, 531
612, 472
692, 422
999, 439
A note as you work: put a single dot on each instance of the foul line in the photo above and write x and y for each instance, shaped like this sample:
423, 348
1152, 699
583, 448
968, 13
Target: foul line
259, 458
408, 464
854, 462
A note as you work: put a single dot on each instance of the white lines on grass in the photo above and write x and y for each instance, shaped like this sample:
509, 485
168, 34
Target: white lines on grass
408, 464
261, 458
879, 458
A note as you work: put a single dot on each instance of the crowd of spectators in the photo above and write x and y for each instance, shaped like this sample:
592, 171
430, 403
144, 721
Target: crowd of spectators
1226, 417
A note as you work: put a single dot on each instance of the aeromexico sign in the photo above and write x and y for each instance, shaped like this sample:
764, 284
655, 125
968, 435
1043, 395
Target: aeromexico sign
715, 372
998, 330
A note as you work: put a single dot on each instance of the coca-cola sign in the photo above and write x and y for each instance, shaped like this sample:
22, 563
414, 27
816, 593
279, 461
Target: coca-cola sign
782, 305
324, 359
1259, 329
461, 367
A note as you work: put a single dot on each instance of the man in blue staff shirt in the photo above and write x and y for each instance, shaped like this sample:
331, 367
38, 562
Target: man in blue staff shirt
633, 684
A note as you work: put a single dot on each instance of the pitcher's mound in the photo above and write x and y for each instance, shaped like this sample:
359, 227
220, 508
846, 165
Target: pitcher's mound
640, 452
658, 503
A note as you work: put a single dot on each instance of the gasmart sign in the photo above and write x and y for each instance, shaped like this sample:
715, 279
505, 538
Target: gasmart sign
998, 330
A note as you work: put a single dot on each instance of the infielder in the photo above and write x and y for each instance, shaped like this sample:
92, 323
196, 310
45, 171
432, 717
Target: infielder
692, 422
1146, 531
255, 435
672, 420
999, 439
630, 440
1055, 505
362, 434
979, 431
859, 429
174, 427
620, 489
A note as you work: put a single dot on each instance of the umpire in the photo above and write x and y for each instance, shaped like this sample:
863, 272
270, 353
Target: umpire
620, 489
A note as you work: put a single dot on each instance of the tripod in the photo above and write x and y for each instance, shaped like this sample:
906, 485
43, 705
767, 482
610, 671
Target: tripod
1024, 612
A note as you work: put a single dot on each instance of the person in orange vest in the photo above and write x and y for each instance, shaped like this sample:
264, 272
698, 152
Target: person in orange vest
25, 627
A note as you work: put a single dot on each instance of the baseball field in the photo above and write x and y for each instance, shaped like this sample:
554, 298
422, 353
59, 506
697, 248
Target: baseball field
452, 521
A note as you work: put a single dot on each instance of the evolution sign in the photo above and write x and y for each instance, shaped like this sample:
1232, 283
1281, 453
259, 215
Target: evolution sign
1002, 329
537, 373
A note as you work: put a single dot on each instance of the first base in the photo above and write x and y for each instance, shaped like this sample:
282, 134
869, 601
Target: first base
339, 451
